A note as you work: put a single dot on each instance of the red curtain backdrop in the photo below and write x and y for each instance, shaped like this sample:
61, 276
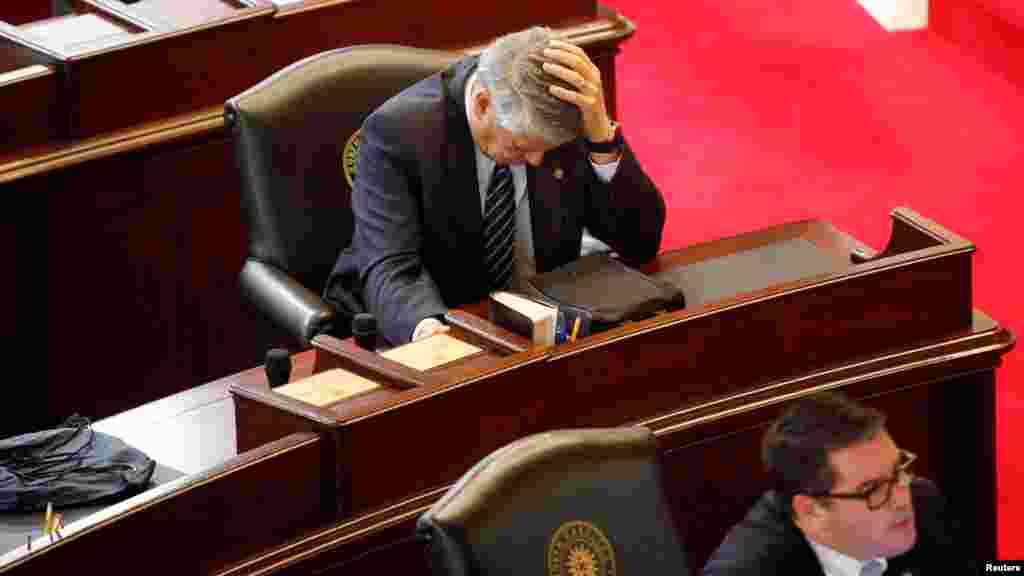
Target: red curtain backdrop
749, 113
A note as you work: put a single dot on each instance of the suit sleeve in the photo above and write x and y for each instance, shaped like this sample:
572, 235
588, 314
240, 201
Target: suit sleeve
397, 288
628, 212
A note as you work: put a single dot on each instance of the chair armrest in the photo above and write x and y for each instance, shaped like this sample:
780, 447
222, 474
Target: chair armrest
287, 303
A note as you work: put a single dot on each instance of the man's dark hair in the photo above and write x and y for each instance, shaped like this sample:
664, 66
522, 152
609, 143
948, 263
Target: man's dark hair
796, 446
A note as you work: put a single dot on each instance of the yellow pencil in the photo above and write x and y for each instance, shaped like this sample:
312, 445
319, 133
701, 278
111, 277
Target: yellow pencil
48, 519
575, 330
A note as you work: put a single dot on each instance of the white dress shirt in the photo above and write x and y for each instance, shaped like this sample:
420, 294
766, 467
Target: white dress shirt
838, 564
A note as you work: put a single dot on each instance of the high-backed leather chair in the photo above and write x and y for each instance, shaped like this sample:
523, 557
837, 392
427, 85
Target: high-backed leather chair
567, 502
292, 134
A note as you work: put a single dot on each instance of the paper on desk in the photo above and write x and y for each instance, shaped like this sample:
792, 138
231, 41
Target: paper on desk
431, 351
327, 387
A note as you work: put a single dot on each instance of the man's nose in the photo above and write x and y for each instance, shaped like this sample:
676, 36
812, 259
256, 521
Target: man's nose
534, 158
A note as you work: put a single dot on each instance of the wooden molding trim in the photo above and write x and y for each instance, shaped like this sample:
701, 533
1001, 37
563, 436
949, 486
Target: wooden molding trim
609, 26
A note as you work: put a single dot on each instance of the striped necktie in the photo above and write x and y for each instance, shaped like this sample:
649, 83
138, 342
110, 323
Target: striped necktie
499, 228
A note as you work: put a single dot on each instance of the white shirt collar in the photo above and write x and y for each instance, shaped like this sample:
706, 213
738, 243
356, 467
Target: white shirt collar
836, 563
484, 163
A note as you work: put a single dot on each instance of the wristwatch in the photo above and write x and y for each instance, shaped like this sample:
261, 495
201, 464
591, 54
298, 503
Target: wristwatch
605, 147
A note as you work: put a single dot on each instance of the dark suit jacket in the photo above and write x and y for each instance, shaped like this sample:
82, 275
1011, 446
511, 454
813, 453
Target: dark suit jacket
416, 247
767, 542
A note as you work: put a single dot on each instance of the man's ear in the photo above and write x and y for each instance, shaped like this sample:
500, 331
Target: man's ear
808, 513
481, 102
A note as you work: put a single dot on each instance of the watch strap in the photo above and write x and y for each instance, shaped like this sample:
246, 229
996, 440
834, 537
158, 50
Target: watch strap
605, 147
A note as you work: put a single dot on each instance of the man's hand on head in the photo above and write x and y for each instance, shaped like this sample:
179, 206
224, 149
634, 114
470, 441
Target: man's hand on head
570, 63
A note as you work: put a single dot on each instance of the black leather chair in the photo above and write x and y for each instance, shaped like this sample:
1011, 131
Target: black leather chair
291, 133
566, 502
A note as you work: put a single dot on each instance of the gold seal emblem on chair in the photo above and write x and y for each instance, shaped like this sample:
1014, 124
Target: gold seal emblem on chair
349, 154
579, 548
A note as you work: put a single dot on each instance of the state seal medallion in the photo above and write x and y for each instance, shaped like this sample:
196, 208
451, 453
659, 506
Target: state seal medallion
349, 155
580, 549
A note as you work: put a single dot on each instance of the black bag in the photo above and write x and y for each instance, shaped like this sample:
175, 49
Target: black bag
608, 290
69, 466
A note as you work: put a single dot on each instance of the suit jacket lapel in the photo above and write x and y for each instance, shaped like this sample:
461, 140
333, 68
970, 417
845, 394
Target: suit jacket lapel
460, 157
553, 194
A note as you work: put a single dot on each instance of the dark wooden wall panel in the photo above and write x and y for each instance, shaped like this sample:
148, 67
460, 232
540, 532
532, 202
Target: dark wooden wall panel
24, 11
31, 112
125, 272
173, 76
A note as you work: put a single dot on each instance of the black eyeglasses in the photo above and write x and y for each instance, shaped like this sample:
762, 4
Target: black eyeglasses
877, 494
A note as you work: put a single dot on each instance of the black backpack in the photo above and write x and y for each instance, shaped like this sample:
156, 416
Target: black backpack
69, 466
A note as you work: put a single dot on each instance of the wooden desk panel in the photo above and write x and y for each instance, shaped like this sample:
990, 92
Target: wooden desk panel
180, 56
24, 12
170, 75
212, 518
29, 97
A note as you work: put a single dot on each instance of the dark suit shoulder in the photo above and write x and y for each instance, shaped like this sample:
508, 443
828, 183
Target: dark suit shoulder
418, 108
940, 546
935, 525
765, 542
422, 107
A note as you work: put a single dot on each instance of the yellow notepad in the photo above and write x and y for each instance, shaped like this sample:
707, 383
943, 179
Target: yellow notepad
327, 387
431, 351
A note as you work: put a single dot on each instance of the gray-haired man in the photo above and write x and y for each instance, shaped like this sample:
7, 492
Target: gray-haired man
487, 173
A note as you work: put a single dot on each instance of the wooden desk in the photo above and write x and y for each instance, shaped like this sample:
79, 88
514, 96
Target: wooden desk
710, 454
333, 484
895, 328
131, 232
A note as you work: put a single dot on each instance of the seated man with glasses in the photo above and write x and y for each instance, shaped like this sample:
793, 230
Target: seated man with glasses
845, 504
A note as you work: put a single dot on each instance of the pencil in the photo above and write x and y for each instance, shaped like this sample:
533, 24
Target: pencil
575, 330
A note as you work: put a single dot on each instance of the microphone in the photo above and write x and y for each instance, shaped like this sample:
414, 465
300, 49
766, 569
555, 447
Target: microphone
364, 330
278, 366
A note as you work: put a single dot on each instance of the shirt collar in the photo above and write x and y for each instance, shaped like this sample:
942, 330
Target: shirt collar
484, 163
835, 563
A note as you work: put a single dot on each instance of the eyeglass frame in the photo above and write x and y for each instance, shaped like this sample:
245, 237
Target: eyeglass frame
902, 473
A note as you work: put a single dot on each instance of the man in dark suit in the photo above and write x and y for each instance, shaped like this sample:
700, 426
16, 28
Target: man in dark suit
526, 119
846, 503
